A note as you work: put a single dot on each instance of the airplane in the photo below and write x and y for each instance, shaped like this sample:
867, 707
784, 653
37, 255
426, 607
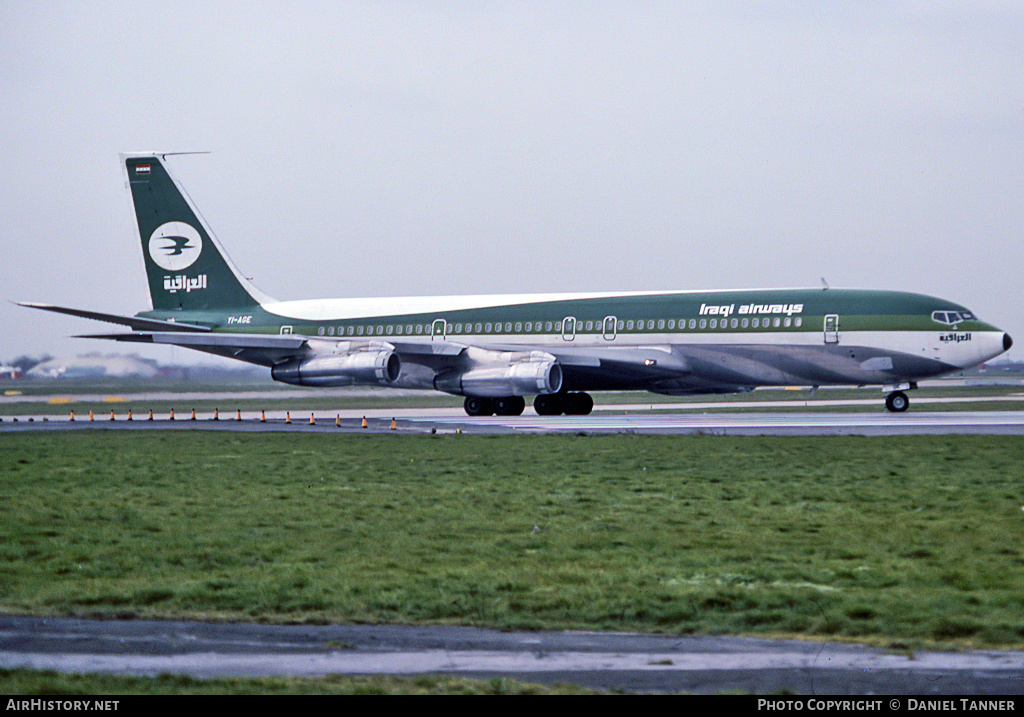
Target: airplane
497, 350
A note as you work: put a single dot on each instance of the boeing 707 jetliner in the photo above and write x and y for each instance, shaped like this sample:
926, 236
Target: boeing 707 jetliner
497, 350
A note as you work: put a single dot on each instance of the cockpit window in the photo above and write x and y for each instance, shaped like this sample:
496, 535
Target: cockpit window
952, 317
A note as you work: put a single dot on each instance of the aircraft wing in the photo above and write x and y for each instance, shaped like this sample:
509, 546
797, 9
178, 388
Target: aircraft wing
659, 368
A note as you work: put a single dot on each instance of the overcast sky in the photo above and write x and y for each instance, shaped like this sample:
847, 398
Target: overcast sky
413, 148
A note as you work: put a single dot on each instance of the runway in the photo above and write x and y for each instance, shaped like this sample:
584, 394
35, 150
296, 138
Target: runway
610, 419
613, 661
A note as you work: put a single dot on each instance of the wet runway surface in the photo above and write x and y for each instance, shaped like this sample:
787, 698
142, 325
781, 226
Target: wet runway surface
613, 419
631, 662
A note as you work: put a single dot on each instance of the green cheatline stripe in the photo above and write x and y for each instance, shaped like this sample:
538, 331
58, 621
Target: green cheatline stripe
858, 310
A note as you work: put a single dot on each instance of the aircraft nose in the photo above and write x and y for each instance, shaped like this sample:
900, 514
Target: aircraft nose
1007, 342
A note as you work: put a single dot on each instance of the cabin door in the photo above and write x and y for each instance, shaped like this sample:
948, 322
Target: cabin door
569, 328
610, 326
832, 329
438, 330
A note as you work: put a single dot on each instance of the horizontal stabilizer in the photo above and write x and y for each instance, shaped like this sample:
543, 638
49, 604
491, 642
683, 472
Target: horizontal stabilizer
288, 342
134, 322
261, 349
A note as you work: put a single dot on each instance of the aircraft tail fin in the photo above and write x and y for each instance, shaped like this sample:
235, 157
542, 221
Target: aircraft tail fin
185, 265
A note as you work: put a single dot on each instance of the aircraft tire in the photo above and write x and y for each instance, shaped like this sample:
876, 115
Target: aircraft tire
509, 405
478, 406
548, 404
897, 402
578, 404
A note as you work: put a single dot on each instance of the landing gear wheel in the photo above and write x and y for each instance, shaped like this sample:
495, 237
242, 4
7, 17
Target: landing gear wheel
548, 404
509, 405
897, 402
578, 404
477, 406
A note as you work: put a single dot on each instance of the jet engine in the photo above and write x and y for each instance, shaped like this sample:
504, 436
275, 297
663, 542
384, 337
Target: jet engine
540, 373
373, 367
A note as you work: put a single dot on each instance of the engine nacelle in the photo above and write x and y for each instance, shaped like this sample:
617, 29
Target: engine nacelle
518, 379
379, 368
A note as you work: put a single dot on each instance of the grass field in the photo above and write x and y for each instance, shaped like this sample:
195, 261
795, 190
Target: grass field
902, 541
32, 682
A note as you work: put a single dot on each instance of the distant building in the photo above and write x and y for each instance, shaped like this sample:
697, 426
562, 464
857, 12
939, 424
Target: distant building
9, 373
94, 366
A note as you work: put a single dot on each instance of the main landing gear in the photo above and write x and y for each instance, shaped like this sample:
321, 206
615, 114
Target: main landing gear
550, 404
505, 406
897, 402
571, 404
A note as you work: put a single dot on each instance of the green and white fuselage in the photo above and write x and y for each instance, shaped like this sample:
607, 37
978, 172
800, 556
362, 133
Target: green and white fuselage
496, 349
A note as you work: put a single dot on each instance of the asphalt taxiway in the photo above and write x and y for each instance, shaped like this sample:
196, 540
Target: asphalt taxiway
614, 661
